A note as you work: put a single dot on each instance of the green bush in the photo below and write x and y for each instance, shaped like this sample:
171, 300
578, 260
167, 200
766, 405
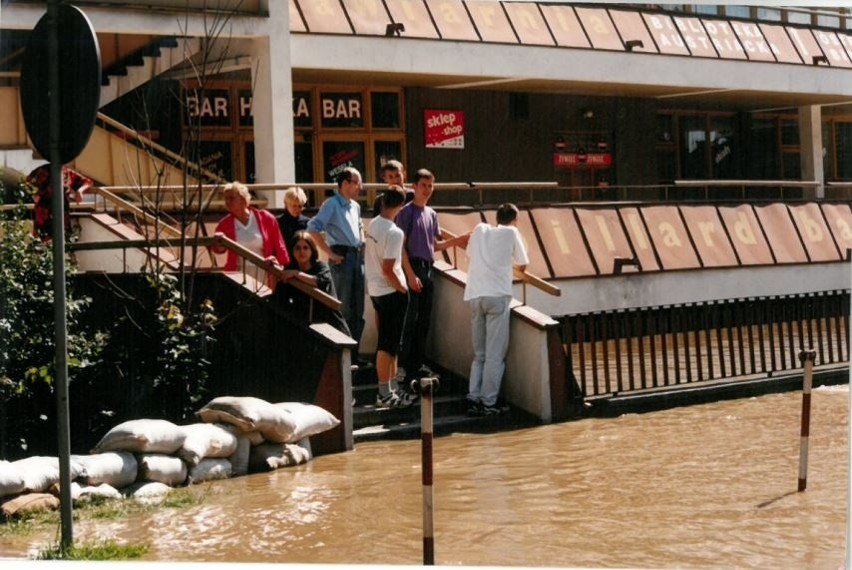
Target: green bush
27, 346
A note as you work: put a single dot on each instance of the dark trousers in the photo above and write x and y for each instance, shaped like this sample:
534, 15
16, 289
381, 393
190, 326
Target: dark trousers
417, 321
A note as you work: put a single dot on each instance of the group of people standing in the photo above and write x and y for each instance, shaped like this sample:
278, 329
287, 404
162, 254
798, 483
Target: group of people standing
391, 260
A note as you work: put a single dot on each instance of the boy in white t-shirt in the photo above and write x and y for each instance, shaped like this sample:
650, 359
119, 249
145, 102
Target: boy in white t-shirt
493, 252
388, 293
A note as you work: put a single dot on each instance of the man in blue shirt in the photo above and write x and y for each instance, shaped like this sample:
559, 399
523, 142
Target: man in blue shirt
339, 218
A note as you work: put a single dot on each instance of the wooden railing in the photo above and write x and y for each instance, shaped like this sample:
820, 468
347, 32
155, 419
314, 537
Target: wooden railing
622, 351
525, 277
218, 241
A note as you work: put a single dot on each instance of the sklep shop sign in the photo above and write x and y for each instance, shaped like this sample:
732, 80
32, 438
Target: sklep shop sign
444, 129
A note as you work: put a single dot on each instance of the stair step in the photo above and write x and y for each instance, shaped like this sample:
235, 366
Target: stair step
445, 425
366, 413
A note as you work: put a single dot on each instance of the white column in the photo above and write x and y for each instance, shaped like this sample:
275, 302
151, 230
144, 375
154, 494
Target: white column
272, 96
810, 148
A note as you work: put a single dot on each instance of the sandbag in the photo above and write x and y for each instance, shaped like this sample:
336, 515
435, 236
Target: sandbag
142, 436
270, 456
147, 490
240, 458
308, 419
208, 470
249, 413
114, 468
165, 469
206, 440
83, 493
12, 479
29, 503
41, 472
254, 436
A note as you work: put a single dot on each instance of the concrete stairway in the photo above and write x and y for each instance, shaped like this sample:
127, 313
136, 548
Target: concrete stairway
449, 412
146, 64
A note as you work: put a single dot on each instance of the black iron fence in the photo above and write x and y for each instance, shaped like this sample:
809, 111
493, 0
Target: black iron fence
621, 351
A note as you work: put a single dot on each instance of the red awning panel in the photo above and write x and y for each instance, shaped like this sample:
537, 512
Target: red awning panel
670, 237
708, 233
563, 242
783, 238
814, 231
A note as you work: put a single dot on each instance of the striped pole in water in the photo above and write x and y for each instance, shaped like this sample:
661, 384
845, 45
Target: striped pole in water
807, 357
427, 387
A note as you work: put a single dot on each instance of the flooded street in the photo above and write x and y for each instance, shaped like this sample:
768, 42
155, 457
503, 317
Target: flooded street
709, 486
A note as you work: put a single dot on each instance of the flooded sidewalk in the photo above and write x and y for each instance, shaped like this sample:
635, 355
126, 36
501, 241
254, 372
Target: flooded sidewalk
707, 486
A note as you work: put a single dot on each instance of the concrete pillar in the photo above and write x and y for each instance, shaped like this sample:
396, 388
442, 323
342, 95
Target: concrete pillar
810, 149
272, 94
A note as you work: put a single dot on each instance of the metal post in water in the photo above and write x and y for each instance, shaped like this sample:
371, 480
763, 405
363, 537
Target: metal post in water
807, 357
427, 387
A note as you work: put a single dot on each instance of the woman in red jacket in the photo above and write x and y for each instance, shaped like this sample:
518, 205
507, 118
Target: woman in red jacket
256, 230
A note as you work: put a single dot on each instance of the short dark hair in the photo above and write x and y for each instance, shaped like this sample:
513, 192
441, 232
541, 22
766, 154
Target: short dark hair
346, 175
393, 164
394, 196
421, 174
507, 213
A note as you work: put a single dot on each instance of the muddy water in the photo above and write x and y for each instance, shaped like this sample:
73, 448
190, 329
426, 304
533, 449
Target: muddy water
709, 486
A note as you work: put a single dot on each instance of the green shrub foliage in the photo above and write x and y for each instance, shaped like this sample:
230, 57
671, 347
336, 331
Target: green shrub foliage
27, 344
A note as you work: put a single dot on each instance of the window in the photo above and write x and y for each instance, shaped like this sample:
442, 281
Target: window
385, 110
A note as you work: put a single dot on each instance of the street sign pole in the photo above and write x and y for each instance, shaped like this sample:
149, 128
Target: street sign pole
60, 332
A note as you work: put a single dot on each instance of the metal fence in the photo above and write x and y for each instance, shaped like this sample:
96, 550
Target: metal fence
622, 351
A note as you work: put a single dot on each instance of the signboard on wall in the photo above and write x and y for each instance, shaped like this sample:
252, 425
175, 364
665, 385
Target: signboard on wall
443, 129
574, 160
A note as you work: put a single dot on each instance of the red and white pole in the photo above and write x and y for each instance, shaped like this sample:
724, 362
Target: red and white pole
807, 357
427, 388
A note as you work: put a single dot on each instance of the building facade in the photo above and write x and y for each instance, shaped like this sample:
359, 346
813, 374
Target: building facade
591, 96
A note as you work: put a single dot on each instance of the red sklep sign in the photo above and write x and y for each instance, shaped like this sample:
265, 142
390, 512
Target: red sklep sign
444, 129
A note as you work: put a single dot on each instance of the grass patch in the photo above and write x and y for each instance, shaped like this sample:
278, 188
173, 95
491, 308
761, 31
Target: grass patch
100, 508
105, 550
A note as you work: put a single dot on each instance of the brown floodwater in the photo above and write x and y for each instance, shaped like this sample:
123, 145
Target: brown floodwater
708, 486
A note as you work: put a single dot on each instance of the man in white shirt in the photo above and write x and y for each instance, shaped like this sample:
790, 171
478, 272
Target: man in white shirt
388, 293
493, 251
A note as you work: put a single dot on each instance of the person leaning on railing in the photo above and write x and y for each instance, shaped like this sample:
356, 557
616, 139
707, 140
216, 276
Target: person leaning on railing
306, 267
256, 230
74, 185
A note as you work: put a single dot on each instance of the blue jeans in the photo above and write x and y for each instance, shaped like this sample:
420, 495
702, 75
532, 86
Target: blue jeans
489, 319
348, 280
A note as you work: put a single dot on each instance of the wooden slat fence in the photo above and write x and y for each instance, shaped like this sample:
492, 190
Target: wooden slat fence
620, 351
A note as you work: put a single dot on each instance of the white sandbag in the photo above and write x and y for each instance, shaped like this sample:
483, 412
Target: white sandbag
147, 490
162, 468
309, 419
41, 472
206, 440
254, 436
142, 436
270, 456
248, 413
115, 468
240, 458
12, 479
83, 493
208, 470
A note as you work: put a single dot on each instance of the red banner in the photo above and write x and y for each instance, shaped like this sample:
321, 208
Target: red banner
573, 160
444, 129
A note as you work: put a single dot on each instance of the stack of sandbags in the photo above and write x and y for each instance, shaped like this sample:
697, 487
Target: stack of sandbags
145, 458
275, 435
